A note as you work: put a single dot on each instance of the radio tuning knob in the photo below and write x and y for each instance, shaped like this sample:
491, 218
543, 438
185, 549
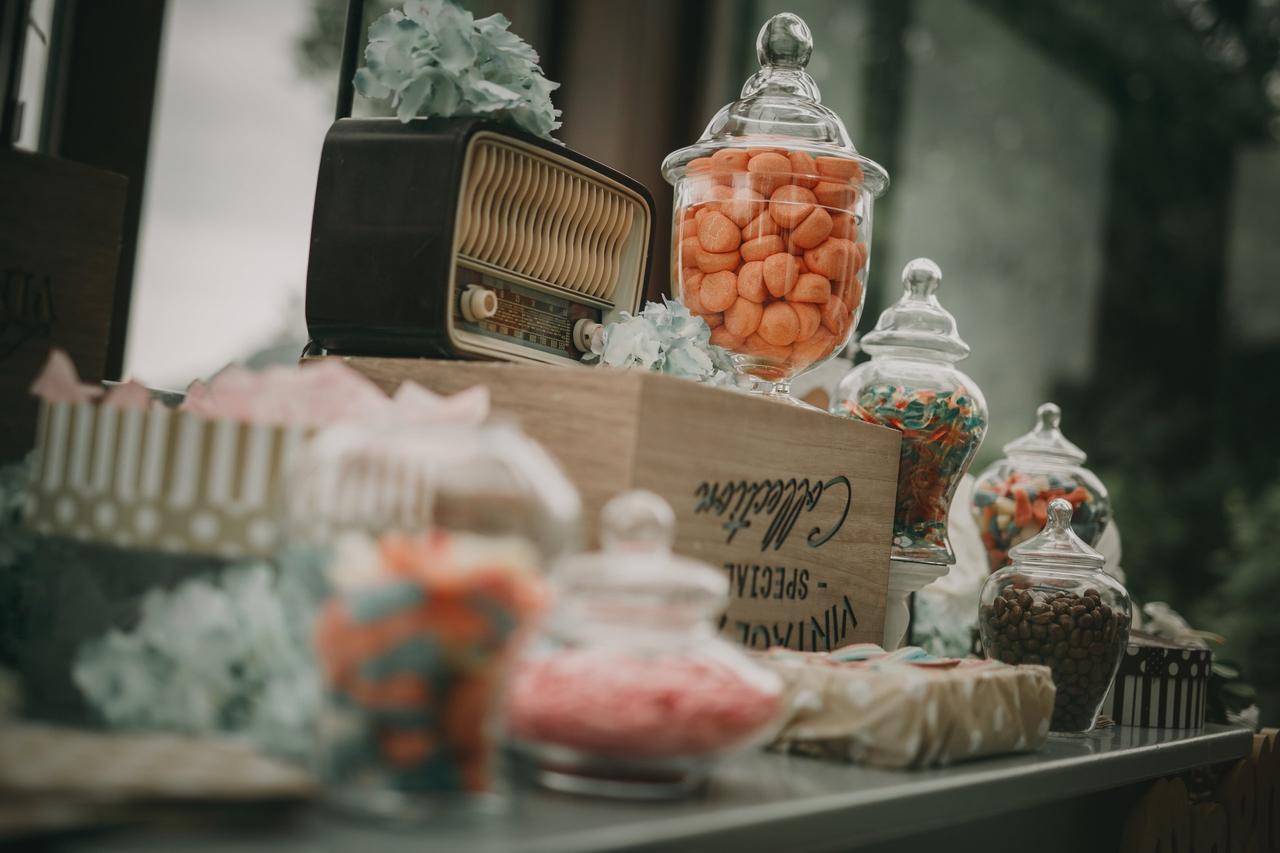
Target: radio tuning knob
478, 303
583, 331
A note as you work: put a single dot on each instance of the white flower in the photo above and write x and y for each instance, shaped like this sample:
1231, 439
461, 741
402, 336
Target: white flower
667, 338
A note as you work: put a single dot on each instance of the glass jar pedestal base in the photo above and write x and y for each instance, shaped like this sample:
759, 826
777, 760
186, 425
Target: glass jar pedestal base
906, 577
571, 771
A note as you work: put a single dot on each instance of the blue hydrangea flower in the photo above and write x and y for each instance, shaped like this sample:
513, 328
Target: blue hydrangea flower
664, 337
435, 59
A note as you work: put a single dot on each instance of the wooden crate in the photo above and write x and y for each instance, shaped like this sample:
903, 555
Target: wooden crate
795, 505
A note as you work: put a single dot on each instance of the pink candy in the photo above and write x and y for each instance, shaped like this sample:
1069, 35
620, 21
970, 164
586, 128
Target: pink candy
620, 705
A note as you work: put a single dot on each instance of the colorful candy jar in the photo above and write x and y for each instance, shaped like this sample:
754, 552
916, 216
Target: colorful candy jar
772, 228
1055, 607
631, 692
423, 549
1011, 498
912, 385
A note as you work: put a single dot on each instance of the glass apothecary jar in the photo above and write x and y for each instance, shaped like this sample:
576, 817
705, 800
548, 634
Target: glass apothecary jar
1055, 607
423, 553
911, 384
630, 692
1012, 495
771, 232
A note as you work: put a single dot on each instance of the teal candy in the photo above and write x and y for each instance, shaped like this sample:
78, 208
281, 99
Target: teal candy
382, 600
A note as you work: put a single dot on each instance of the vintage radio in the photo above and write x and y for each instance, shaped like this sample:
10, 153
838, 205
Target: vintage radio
462, 238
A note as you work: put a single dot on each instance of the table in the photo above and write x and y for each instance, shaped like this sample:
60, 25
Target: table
1071, 795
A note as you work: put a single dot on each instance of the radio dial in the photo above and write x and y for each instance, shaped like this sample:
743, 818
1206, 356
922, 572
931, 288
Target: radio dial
583, 331
478, 303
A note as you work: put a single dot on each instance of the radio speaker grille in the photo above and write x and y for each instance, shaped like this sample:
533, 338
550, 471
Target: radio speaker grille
543, 219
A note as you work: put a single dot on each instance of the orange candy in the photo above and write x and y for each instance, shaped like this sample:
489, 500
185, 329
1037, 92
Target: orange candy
718, 233
745, 205
688, 228
762, 226
689, 248
836, 316
751, 282
810, 287
762, 247
803, 170
769, 171
833, 259
814, 348
789, 205
719, 291
810, 319
713, 321
717, 261
722, 337
756, 345
779, 325
743, 317
839, 168
691, 292
815, 228
842, 225
732, 159
835, 194
780, 273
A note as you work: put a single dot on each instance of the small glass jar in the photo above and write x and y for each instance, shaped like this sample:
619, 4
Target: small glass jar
911, 384
1012, 495
631, 692
422, 550
1056, 607
771, 231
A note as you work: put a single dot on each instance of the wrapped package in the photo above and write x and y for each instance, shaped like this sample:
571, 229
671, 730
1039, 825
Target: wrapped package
906, 709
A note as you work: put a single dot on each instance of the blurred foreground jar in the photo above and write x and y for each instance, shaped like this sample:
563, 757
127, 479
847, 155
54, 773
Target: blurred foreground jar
771, 232
1011, 498
1055, 607
423, 550
631, 692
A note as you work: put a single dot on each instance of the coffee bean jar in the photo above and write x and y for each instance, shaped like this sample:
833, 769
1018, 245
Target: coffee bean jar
771, 233
1011, 497
1055, 607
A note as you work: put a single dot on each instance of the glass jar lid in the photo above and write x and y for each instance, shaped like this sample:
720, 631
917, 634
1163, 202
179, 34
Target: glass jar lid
780, 105
917, 320
1057, 544
1047, 439
636, 573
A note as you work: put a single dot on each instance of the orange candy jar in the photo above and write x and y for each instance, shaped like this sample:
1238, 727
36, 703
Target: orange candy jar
771, 233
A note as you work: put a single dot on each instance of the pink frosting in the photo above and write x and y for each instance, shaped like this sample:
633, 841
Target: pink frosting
59, 382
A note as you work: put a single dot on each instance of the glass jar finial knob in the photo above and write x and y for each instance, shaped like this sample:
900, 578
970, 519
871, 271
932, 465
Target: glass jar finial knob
637, 521
785, 41
1060, 512
1048, 417
921, 277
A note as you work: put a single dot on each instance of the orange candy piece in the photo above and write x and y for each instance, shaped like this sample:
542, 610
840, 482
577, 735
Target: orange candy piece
836, 316
804, 170
779, 325
718, 233
833, 258
722, 337
839, 168
810, 287
834, 194
789, 205
762, 247
688, 228
713, 321
732, 159
780, 273
743, 317
810, 319
745, 205
691, 292
717, 261
762, 226
815, 228
719, 291
769, 170
689, 248
817, 347
756, 345
842, 225
751, 282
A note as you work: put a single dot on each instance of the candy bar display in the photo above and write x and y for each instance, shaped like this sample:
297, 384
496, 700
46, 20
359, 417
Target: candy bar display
423, 548
772, 227
1055, 607
911, 385
630, 692
1012, 495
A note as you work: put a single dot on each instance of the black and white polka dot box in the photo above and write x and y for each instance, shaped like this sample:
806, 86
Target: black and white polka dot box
1160, 685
